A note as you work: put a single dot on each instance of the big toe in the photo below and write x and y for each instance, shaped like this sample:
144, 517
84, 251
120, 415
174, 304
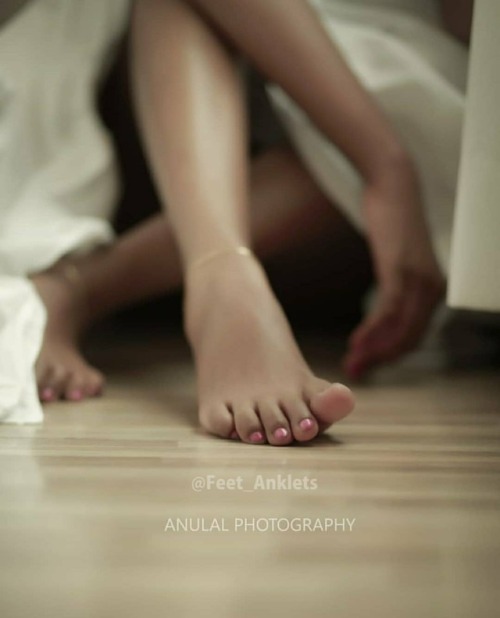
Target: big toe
331, 404
84, 382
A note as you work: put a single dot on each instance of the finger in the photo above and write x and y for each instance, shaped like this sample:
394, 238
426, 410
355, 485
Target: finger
421, 301
405, 329
374, 332
385, 311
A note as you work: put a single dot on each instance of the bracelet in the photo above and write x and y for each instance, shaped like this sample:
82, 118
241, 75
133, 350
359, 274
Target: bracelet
242, 251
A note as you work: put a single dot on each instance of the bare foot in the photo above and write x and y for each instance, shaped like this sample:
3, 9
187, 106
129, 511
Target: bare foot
61, 370
253, 382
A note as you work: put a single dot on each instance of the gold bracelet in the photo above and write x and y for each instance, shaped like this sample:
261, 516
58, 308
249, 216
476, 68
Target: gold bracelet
242, 251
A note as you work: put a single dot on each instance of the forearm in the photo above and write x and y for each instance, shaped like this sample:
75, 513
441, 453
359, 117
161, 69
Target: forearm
286, 41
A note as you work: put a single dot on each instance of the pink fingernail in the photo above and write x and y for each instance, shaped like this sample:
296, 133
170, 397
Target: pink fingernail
257, 436
281, 433
75, 395
306, 423
47, 394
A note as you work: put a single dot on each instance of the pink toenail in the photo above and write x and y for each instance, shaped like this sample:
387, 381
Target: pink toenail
76, 395
306, 423
281, 433
234, 435
47, 394
257, 436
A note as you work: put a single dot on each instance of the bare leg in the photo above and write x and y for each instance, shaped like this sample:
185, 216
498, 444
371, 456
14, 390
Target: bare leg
287, 42
252, 379
109, 278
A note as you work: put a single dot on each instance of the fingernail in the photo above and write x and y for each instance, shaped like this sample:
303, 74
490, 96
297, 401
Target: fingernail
47, 394
306, 423
257, 436
75, 395
281, 433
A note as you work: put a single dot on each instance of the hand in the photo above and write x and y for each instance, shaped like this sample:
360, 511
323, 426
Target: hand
410, 283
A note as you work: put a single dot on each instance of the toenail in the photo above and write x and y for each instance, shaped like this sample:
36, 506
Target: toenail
257, 436
234, 435
281, 433
75, 395
47, 394
342, 388
306, 423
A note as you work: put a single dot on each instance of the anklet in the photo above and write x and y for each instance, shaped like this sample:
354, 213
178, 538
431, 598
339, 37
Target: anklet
242, 251
71, 273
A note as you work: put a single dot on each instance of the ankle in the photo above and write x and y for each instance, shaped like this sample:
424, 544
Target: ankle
64, 295
218, 286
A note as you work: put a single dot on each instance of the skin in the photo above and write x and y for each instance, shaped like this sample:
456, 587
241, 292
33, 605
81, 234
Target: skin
409, 280
289, 215
253, 381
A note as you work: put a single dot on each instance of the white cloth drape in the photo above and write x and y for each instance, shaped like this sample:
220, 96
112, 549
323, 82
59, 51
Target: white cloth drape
57, 176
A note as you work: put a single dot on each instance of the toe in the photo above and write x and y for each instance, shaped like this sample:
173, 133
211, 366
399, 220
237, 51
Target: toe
275, 423
248, 424
217, 420
330, 404
302, 421
45, 391
75, 388
55, 384
94, 383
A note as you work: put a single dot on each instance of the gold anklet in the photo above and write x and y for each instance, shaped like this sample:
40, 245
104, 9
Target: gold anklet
71, 273
242, 251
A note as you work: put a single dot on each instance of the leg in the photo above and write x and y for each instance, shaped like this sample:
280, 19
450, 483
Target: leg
252, 379
108, 279
285, 39
287, 211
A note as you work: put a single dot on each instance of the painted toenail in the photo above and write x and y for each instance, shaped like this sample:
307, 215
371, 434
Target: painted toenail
257, 436
234, 435
47, 394
342, 388
76, 395
281, 433
306, 423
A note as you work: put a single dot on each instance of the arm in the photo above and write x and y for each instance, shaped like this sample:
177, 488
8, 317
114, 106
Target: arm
286, 41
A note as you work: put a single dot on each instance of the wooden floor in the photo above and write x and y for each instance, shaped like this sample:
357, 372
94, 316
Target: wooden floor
90, 503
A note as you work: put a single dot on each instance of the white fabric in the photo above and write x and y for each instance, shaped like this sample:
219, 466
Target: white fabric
417, 73
22, 319
474, 280
57, 176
